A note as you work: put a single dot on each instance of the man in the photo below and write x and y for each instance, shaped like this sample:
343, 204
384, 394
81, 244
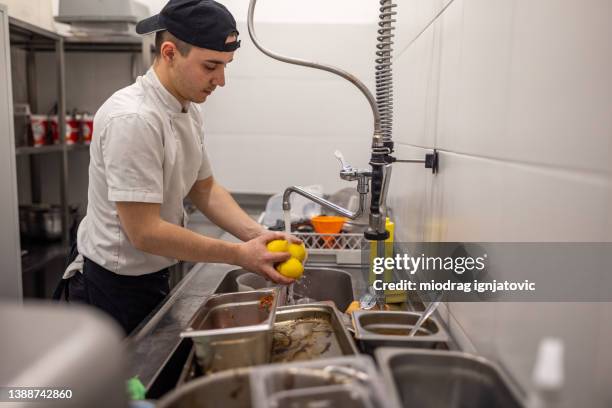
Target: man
147, 155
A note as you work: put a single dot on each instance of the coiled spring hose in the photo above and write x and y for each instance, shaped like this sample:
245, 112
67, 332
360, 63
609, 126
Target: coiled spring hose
384, 71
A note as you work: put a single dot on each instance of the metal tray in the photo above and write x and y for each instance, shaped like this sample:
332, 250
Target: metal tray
389, 328
308, 332
349, 381
430, 378
233, 330
229, 389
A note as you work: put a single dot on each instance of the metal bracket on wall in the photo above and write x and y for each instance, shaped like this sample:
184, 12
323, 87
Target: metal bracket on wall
431, 161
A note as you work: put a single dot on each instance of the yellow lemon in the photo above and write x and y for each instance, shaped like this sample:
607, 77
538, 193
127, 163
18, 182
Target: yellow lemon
292, 268
278, 245
298, 251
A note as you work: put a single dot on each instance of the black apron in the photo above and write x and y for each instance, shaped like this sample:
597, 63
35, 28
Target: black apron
128, 299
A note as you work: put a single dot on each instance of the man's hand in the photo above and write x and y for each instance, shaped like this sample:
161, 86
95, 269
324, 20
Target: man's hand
254, 256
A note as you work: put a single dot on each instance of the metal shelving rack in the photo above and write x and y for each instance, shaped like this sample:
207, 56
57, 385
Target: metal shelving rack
35, 39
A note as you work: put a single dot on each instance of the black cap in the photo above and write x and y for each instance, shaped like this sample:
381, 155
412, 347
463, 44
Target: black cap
203, 23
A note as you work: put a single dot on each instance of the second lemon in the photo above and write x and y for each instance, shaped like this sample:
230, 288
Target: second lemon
293, 267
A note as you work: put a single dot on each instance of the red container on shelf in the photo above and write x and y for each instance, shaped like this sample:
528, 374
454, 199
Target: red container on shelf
86, 127
54, 126
72, 130
39, 126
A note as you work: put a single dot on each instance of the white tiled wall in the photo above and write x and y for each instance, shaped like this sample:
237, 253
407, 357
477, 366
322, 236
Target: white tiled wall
517, 96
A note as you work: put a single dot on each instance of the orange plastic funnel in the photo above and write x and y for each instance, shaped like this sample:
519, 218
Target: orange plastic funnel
326, 224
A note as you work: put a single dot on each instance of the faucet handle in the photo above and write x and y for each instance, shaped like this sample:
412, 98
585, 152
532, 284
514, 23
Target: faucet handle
346, 172
343, 163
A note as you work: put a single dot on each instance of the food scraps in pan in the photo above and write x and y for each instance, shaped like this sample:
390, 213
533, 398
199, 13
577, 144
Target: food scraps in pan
265, 302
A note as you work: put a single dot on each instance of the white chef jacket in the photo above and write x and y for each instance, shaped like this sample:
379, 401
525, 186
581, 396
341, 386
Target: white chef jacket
144, 149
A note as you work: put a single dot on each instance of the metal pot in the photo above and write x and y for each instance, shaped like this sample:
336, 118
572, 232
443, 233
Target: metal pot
44, 221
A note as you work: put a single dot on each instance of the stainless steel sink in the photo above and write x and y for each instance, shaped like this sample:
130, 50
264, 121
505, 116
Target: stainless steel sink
318, 284
446, 379
326, 284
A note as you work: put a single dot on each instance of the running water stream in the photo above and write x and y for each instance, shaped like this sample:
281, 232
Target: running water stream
304, 283
290, 294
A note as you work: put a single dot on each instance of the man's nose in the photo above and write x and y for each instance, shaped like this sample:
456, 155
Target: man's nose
219, 78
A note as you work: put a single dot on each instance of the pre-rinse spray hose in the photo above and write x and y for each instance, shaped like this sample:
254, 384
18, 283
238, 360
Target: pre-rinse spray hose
382, 108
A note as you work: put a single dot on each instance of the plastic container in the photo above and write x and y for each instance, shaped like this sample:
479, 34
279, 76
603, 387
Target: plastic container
86, 123
72, 130
39, 124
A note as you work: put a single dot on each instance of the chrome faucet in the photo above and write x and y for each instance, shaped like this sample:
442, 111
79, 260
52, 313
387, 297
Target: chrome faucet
348, 173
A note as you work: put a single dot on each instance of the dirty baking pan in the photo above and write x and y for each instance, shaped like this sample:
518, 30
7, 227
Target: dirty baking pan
234, 330
309, 332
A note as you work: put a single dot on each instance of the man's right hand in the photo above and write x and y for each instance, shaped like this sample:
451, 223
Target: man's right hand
254, 256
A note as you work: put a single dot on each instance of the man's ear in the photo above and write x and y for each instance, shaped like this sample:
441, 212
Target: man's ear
168, 51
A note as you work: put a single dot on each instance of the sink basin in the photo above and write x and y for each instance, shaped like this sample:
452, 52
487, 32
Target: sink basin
445, 379
319, 284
